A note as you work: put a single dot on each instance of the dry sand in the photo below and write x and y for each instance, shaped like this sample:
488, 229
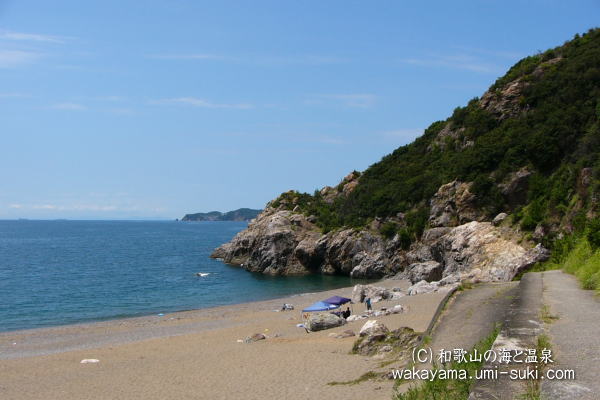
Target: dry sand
196, 355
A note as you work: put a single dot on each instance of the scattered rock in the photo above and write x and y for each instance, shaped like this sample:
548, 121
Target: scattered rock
397, 309
422, 287
255, 338
516, 186
356, 317
499, 218
373, 327
322, 321
375, 293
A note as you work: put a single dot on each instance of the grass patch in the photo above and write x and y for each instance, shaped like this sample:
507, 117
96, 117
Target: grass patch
532, 391
465, 286
364, 377
546, 316
584, 263
451, 389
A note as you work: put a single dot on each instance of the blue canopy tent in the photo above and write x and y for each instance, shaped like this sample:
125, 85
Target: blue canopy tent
320, 306
337, 300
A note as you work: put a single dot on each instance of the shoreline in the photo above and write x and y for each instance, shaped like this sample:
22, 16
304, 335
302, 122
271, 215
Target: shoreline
203, 354
142, 327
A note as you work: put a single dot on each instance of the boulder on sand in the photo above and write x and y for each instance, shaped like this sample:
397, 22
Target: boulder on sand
372, 327
375, 293
322, 321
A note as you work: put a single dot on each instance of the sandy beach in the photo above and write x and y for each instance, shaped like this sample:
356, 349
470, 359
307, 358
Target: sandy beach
198, 354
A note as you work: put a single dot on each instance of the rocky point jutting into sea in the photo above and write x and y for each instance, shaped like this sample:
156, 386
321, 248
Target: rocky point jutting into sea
458, 245
478, 196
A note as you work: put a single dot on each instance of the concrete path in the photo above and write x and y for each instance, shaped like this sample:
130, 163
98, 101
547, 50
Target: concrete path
469, 317
575, 337
472, 315
519, 333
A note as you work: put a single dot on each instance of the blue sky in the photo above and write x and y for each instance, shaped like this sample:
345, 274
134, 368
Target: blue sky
131, 109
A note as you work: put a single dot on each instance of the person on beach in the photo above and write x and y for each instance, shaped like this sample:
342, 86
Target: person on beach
368, 303
346, 313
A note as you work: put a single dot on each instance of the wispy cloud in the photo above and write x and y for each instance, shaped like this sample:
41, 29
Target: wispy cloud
352, 100
464, 62
31, 37
16, 58
201, 103
266, 60
68, 106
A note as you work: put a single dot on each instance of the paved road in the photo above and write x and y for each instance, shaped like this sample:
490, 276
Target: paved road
575, 337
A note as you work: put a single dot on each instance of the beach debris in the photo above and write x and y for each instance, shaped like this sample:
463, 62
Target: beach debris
255, 338
346, 334
300, 326
89, 361
398, 308
319, 322
160, 314
373, 327
356, 317
202, 274
240, 341
287, 307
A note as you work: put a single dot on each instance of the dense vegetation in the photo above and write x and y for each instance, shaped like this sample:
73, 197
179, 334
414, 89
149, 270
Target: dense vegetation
552, 128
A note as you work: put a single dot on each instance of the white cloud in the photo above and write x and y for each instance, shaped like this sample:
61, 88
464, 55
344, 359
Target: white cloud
69, 106
202, 103
15, 58
355, 100
17, 206
32, 37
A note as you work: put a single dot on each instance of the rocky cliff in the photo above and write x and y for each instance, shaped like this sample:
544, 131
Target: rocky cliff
457, 246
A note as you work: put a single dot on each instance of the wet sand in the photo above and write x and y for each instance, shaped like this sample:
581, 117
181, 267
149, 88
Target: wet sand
196, 354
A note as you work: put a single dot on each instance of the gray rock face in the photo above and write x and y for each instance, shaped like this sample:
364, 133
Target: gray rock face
458, 245
452, 205
281, 242
322, 321
478, 251
425, 271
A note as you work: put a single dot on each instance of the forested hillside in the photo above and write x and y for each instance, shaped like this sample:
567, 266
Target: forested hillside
539, 122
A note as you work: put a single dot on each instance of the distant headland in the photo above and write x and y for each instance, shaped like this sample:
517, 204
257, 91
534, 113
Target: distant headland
241, 214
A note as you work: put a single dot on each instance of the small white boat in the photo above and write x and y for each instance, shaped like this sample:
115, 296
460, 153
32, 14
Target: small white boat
202, 274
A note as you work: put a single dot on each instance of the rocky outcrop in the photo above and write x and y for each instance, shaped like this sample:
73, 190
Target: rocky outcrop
322, 321
282, 242
505, 102
515, 188
453, 205
425, 271
478, 251
457, 246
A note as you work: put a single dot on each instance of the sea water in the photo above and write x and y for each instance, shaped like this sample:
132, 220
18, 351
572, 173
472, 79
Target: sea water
63, 272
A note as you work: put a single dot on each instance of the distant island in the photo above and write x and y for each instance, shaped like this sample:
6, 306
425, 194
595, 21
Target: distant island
242, 214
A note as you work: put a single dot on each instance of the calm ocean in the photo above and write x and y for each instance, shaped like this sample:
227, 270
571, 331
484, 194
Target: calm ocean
63, 272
